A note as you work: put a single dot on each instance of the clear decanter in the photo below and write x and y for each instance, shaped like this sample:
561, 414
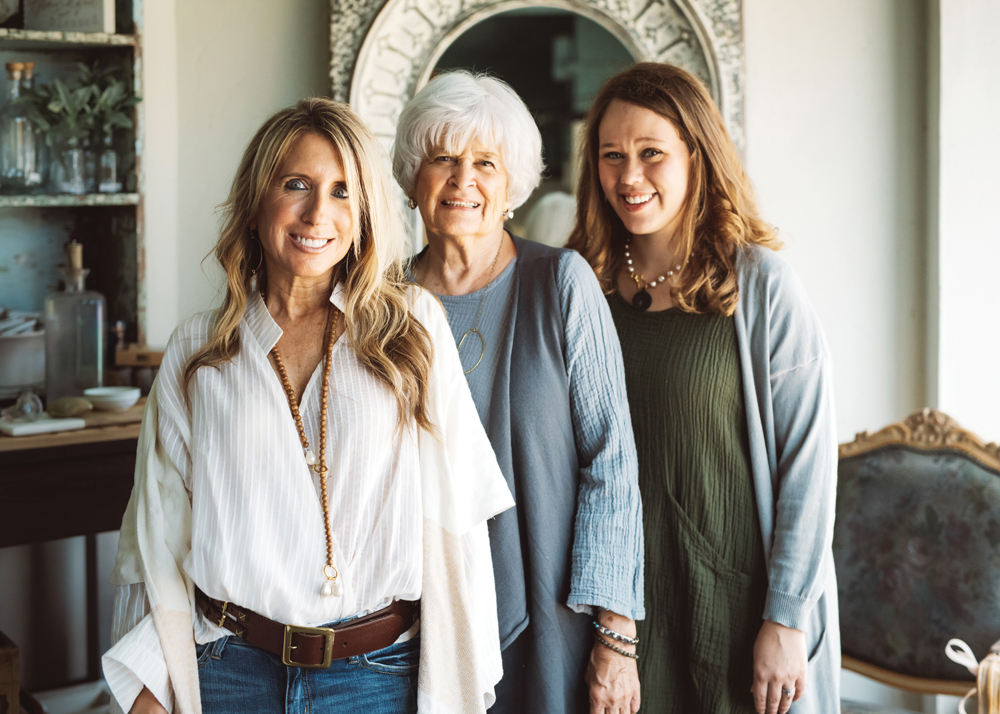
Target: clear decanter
74, 334
20, 145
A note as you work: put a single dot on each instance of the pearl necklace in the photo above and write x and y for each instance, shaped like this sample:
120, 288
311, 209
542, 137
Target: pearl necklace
332, 586
642, 299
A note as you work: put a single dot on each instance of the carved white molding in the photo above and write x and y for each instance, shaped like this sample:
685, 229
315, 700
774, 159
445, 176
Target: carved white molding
382, 52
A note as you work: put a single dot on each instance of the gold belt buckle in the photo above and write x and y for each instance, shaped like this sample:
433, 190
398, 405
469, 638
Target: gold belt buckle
286, 650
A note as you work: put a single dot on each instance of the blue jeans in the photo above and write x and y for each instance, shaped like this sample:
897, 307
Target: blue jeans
236, 677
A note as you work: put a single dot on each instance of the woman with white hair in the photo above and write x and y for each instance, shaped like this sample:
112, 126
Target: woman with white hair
543, 362
308, 528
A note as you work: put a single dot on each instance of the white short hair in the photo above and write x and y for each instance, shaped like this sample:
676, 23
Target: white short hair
454, 109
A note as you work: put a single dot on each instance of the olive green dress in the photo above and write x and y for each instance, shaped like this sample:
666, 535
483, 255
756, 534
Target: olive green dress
706, 580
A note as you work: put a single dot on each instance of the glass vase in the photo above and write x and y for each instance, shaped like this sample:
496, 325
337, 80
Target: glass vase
69, 169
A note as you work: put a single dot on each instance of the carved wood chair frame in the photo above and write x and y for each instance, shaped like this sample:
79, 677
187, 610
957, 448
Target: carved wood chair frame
926, 430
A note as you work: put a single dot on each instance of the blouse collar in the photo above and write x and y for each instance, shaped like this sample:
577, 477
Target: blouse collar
263, 327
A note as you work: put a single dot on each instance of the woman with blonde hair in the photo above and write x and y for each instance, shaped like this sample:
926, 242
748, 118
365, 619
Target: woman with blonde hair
730, 390
308, 523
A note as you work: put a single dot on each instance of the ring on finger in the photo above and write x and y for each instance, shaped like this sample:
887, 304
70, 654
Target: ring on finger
788, 692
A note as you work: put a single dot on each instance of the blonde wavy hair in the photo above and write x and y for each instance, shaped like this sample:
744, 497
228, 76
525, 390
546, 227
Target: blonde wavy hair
388, 340
719, 214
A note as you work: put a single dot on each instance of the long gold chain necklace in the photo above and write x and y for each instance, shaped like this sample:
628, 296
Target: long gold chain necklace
332, 586
479, 315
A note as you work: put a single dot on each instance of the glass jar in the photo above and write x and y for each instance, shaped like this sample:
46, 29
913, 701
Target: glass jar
69, 170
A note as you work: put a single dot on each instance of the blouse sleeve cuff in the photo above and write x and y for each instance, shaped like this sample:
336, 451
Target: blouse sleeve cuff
136, 661
589, 603
786, 609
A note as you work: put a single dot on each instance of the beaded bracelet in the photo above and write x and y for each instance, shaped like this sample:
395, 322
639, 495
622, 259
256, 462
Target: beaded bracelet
619, 650
614, 635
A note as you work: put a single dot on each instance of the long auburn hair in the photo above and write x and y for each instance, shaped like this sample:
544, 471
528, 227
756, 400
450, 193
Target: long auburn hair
719, 213
388, 340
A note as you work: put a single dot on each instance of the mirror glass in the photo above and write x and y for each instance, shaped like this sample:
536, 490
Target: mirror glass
556, 60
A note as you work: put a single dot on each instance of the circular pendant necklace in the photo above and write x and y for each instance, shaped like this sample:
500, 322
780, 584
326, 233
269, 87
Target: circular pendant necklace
332, 586
479, 316
642, 300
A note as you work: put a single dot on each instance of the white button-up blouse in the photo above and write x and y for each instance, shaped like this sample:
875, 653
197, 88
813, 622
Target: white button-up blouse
257, 532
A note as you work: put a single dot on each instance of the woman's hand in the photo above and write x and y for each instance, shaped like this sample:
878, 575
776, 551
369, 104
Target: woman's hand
613, 679
779, 667
146, 703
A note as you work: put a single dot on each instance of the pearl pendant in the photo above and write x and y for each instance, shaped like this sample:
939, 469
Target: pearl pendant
332, 588
310, 457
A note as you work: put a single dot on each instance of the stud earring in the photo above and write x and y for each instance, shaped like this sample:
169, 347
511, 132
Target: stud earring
412, 203
508, 215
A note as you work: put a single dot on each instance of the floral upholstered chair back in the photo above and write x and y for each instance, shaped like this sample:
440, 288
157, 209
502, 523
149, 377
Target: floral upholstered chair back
917, 549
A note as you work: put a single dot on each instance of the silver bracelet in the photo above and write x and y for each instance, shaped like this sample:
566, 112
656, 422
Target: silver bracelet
619, 650
614, 635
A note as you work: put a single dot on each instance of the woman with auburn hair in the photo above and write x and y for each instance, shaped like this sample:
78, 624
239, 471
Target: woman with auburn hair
730, 390
308, 523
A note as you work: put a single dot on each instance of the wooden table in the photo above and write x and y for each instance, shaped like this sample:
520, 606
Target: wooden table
68, 484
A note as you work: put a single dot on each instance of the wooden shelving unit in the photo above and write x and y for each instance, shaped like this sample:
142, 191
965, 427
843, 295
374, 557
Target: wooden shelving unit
34, 228
49, 39
59, 199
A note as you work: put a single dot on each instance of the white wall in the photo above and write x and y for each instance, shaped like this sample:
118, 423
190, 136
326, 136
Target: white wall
835, 146
238, 61
213, 73
160, 169
968, 239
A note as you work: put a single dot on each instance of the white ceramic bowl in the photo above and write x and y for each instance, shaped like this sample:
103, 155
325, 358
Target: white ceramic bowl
112, 399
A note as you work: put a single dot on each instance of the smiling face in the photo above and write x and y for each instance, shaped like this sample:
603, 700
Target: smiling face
464, 194
305, 220
643, 166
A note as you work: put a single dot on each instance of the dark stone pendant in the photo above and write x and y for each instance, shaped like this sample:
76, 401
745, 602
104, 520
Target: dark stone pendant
642, 300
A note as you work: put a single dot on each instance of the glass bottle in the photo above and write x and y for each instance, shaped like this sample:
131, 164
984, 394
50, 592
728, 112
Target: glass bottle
28, 87
74, 334
109, 182
28, 77
20, 171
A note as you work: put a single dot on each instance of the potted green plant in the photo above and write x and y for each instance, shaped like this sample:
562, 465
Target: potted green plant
63, 111
75, 113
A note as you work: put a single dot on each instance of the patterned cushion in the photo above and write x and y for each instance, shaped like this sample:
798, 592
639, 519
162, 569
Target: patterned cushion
917, 547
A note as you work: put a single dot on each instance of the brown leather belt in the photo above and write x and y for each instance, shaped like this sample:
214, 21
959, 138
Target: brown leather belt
312, 647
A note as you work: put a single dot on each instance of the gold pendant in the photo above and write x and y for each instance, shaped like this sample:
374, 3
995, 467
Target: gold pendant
482, 351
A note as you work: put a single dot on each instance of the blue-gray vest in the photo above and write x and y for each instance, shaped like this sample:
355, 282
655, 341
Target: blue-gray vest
531, 429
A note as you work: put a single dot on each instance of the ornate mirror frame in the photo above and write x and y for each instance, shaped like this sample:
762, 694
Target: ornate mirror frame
383, 51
